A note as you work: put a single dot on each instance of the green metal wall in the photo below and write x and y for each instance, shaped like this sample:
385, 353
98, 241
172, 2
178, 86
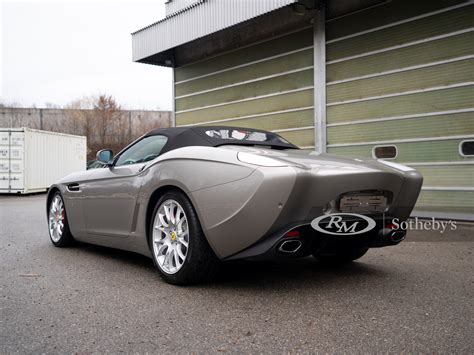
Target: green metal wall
402, 73
267, 85
399, 73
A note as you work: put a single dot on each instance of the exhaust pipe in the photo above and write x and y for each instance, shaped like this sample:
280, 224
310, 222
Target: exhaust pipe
388, 236
289, 246
397, 236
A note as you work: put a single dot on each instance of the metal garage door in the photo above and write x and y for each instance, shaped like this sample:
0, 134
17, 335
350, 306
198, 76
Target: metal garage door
400, 84
267, 85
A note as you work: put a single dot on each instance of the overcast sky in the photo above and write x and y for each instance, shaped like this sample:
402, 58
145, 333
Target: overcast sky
54, 52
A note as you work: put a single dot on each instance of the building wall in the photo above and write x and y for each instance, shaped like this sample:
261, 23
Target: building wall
267, 85
400, 73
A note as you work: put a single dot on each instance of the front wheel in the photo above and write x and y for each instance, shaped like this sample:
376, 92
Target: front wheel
58, 226
342, 256
179, 248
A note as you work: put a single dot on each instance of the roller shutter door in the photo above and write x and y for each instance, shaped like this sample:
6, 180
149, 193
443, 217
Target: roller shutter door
268, 85
401, 74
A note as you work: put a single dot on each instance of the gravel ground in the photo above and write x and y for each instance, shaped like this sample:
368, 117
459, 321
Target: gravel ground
415, 297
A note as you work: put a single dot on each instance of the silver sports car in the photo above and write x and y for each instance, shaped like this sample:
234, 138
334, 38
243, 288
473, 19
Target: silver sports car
191, 197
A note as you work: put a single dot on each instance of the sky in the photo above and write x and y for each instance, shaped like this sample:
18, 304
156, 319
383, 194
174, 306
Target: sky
58, 51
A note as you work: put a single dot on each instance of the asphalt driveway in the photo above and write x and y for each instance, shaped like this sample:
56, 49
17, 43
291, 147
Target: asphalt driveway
416, 297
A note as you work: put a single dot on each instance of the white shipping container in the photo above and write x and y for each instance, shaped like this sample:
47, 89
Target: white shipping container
31, 160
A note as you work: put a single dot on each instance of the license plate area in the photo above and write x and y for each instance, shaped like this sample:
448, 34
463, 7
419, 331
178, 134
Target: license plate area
363, 203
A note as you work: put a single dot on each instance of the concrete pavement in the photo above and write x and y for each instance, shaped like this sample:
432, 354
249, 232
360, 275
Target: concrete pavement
415, 297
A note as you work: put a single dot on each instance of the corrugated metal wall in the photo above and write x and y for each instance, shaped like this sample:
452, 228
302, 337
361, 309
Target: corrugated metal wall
402, 74
267, 85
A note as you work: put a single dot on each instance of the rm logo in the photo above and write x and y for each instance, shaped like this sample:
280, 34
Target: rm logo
343, 224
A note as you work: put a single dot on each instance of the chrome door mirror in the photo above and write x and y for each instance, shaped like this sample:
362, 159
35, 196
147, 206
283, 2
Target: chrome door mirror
105, 156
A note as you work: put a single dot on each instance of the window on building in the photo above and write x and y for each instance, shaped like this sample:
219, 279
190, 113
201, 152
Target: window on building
385, 152
466, 148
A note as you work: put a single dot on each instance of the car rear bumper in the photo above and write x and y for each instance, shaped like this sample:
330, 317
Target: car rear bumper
283, 245
247, 212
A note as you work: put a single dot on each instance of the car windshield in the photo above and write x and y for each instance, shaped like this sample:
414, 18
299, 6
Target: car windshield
243, 135
94, 164
144, 150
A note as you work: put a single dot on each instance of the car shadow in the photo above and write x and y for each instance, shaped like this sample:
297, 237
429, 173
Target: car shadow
258, 275
118, 255
294, 274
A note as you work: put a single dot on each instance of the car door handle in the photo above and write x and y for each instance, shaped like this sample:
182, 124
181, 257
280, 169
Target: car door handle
74, 187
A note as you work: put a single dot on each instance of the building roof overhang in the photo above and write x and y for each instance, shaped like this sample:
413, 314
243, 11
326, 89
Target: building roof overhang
155, 43
197, 29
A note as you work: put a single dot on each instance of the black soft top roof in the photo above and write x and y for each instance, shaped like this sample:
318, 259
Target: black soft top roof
179, 137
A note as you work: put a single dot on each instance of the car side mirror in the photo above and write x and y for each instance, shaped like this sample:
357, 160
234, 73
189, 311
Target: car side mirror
105, 156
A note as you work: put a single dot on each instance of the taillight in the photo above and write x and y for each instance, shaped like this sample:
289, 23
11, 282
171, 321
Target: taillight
391, 226
293, 233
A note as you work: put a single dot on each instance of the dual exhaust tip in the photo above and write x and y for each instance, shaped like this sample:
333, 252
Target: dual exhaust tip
293, 245
396, 236
290, 246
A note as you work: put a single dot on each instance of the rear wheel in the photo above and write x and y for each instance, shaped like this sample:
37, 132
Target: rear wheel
342, 256
179, 248
58, 226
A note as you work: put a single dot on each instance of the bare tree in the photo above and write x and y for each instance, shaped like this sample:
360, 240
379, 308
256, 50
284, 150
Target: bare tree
77, 118
145, 122
101, 119
106, 109
80, 119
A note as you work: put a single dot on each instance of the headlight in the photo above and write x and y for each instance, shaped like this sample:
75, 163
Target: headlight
396, 166
255, 159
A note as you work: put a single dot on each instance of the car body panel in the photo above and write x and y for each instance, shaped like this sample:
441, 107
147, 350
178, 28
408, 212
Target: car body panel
114, 189
236, 214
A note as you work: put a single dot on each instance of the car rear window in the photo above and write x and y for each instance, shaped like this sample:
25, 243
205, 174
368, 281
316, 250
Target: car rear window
246, 135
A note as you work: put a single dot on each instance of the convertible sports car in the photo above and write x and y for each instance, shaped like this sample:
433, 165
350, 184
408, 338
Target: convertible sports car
190, 197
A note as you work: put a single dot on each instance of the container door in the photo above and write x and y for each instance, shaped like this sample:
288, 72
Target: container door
4, 161
17, 150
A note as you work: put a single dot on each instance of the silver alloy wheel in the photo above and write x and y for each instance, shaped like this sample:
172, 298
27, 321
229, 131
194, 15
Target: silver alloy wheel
170, 236
56, 218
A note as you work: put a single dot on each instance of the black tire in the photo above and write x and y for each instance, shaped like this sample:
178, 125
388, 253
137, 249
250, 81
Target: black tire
341, 257
65, 238
200, 263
